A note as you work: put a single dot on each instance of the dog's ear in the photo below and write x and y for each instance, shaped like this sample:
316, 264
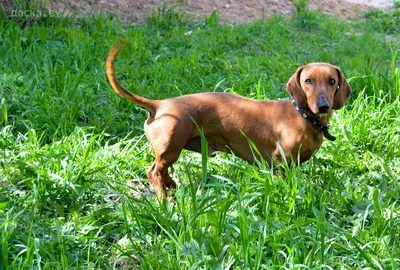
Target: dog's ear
342, 93
293, 87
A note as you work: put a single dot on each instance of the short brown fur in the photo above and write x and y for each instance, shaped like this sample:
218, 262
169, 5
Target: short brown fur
223, 117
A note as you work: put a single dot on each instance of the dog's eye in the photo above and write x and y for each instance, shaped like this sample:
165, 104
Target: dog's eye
331, 81
308, 81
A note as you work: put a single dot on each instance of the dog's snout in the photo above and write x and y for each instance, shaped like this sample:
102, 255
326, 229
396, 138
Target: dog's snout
323, 105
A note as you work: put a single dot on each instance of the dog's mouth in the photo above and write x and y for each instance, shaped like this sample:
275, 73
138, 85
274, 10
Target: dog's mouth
321, 114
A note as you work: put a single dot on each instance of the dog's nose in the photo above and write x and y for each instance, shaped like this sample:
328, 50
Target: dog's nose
323, 105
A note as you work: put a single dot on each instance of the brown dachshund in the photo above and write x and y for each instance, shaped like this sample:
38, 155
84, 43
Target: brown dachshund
228, 121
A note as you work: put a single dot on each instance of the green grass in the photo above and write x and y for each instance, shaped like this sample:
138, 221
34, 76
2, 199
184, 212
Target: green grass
73, 159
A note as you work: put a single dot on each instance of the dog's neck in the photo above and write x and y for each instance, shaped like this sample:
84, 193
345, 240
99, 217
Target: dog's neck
320, 123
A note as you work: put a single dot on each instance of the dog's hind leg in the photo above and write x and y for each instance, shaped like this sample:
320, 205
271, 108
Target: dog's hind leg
158, 174
167, 137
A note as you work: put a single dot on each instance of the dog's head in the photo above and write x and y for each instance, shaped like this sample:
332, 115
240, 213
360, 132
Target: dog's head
321, 87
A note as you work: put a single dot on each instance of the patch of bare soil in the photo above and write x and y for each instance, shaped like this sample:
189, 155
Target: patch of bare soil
230, 11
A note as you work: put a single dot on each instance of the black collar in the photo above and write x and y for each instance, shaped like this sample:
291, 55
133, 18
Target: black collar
314, 121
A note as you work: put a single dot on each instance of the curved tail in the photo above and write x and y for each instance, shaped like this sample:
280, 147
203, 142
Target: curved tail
148, 104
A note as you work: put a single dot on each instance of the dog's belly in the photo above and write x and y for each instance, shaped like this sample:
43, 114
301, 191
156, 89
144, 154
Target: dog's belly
239, 148
194, 144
